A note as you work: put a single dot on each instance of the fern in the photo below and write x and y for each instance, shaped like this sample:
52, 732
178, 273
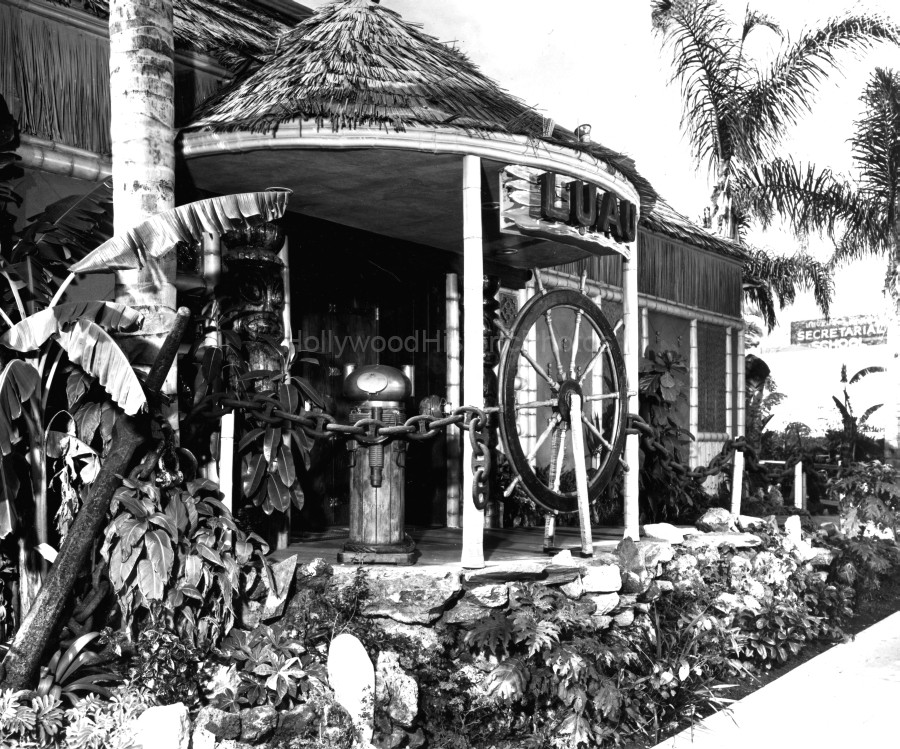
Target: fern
493, 634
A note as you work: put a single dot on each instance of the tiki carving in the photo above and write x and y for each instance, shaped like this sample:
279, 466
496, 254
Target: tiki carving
251, 293
491, 354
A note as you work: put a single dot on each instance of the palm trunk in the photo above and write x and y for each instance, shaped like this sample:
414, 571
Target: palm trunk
892, 397
143, 135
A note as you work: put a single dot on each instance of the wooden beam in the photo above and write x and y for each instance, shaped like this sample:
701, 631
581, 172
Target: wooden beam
473, 365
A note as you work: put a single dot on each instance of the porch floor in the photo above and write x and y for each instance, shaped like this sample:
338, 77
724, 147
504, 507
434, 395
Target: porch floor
440, 547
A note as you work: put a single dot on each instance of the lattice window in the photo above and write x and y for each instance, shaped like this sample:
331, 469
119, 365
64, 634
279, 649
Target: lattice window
711, 377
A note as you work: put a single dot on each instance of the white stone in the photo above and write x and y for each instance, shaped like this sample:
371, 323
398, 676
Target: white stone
605, 578
748, 523
624, 619
396, 690
163, 726
203, 739
652, 553
574, 589
737, 540
664, 532
563, 558
716, 520
605, 602
792, 529
352, 677
492, 596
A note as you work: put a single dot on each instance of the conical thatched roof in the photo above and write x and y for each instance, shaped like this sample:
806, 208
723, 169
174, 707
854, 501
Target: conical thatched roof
356, 63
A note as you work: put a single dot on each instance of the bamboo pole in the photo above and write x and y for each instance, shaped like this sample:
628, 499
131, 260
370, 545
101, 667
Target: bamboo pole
631, 355
741, 386
454, 398
584, 510
226, 460
737, 482
212, 270
729, 383
645, 330
799, 485
473, 364
694, 397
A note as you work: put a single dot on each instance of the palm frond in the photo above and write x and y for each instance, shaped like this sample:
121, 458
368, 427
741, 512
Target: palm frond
159, 234
876, 141
35, 330
19, 382
868, 412
787, 88
865, 372
753, 19
707, 65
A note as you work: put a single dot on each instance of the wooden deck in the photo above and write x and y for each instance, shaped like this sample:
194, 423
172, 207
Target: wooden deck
443, 546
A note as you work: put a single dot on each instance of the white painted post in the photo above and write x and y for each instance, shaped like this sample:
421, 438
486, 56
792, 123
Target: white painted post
737, 482
799, 485
584, 510
285, 258
226, 460
212, 270
454, 399
729, 385
473, 362
631, 355
528, 419
645, 330
741, 386
694, 400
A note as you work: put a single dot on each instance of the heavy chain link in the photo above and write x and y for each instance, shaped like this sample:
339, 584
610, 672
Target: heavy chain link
368, 431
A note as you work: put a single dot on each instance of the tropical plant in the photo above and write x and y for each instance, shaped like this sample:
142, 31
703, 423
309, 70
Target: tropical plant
736, 110
851, 438
168, 667
27, 719
77, 669
106, 724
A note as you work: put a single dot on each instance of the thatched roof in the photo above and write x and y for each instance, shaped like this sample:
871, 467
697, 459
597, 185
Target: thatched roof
232, 31
663, 219
357, 63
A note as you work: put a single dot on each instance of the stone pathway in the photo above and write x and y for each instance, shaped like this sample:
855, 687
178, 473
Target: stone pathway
846, 697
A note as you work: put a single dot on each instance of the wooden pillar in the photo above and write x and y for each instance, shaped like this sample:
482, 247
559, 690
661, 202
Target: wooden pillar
454, 399
631, 355
528, 418
799, 485
737, 482
283, 532
694, 397
212, 270
491, 358
741, 386
226, 461
473, 364
645, 331
729, 384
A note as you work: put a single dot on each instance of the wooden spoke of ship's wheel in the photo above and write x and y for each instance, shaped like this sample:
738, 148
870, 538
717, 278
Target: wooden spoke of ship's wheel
593, 362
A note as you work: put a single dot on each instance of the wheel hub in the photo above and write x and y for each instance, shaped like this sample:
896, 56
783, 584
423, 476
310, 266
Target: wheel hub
564, 401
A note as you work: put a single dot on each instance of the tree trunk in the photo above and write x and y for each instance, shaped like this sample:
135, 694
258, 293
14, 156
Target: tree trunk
141, 77
892, 397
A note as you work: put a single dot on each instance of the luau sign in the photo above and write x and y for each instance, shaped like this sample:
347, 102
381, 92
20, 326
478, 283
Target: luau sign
839, 332
559, 208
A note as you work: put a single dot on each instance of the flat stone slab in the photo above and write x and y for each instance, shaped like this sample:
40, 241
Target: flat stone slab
737, 540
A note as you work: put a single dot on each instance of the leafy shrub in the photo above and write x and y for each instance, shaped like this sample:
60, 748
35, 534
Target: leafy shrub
868, 493
182, 550
29, 720
274, 668
76, 669
106, 724
169, 667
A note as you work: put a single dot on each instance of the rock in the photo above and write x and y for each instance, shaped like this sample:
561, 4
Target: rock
601, 622
163, 725
416, 739
629, 556
574, 589
233, 744
316, 568
557, 575
396, 690
292, 724
425, 639
664, 532
221, 724
396, 739
492, 596
770, 570
563, 558
249, 614
604, 603
282, 576
771, 523
505, 572
625, 618
641, 608
665, 586
626, 602
352, 678
605, 579
749, 523
258, 722
203, 739
683, 573
466, 611
603, 557
635, 582
822, 558
716, 520
653, 553
651, 594
792, 529
735, 540
412, 598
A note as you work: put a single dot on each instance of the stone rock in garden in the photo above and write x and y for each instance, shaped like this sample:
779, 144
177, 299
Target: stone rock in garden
163, 725
716, 520
425, 639
563, 558
635, 582
683, 573
626, 601
292, 724
664, 532
604, 603
554, 574
742, 577
601, 622
316, 568
625, 618
651, 594
603, 557
605, 579
629, 556
574, 589
792, 529
506, 572
352, 677
413, 598
203, 739
416, 739
641, 608
467, 610
233, 744
749, 523
396, 739
249, 613
771, 570
735, 540
492, 596
282, 576
822, 558
772, 524
396, 690
258, 722
653, 553
221, 724
665, 586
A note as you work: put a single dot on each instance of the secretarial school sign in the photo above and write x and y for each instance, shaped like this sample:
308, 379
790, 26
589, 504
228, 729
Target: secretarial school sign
567, 210
839, 332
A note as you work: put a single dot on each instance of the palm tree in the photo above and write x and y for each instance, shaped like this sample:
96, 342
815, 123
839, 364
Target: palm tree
736, 112
861, 217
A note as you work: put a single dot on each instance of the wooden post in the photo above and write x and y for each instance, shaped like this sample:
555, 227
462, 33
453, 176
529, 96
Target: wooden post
645, 331
737, 482
631, 355
694, 398
454, 399
741, 386
212, 270
528, 418
283, 534
226, 461
729, 384
491, 358
799, 485
473, 365
584, 509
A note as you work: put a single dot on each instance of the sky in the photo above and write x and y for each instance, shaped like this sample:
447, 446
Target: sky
588, 61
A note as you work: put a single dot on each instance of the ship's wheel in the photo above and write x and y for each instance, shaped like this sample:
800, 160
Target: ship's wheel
562, 341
